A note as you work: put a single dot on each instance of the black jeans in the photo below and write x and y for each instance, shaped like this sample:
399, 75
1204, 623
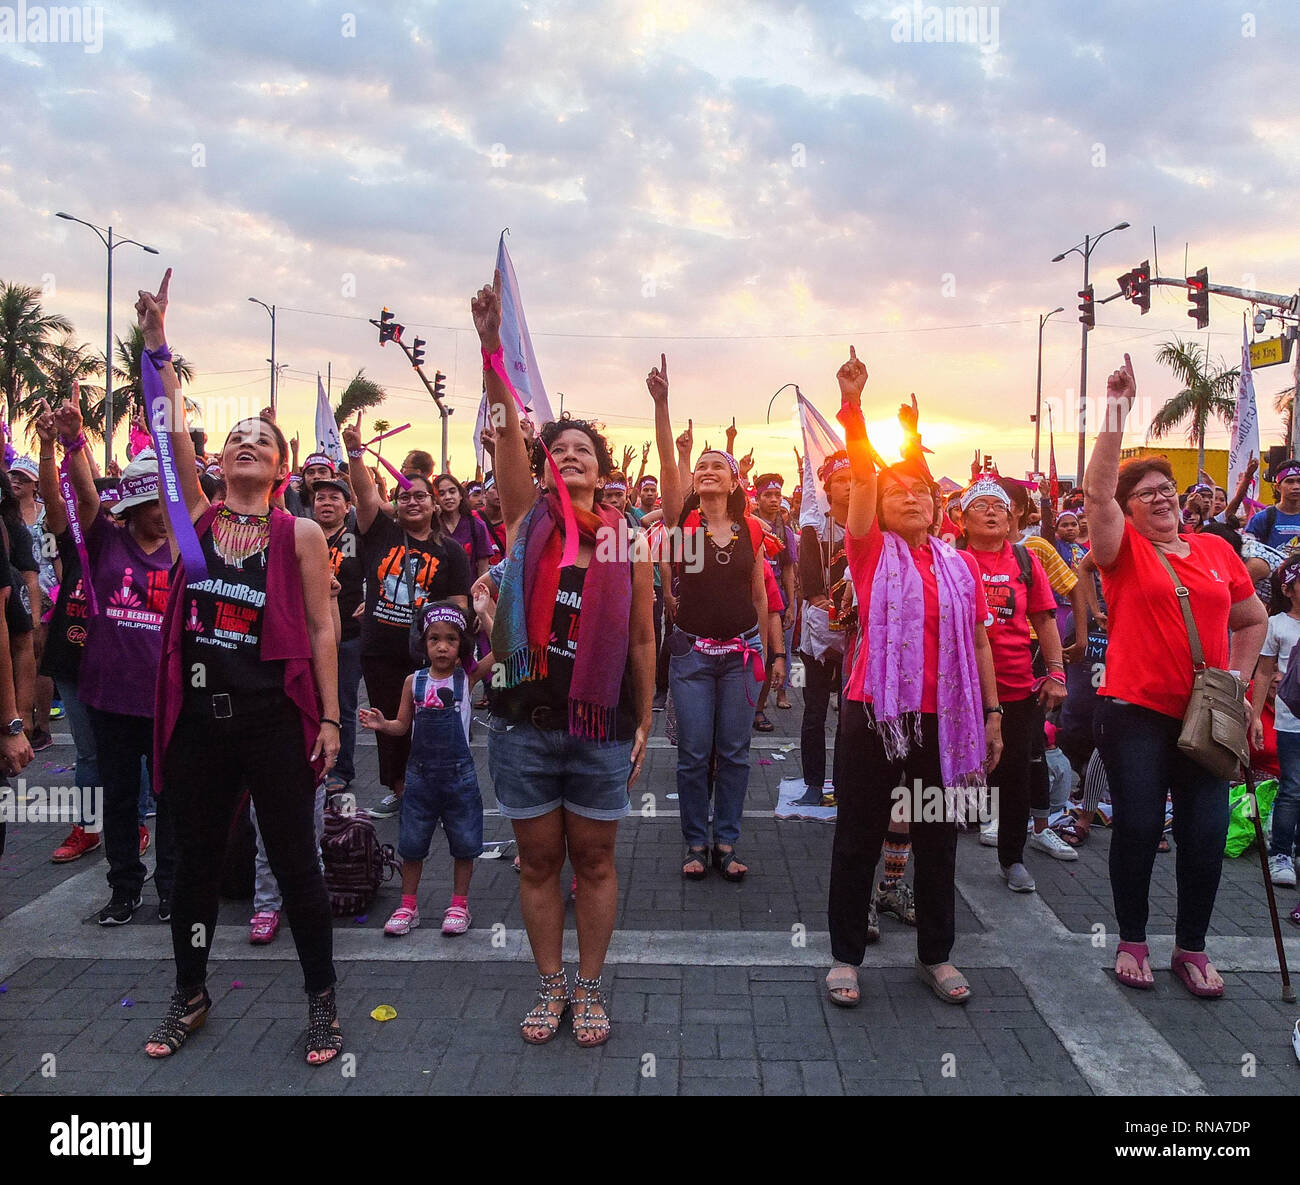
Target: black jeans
865, 796
122, 742
384, 679
208, 766
1018, 789
819, 679
1143, 762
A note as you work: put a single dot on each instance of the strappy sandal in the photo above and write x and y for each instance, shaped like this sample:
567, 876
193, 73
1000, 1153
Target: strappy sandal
723, 861
174, 1028
583, 1021
762, 723
840, 981
554, 987
1139, 952
322, 1036
698, 856
943, 987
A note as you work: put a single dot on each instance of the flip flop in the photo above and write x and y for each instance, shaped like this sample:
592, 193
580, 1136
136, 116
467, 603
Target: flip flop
1199, 960
1138, 952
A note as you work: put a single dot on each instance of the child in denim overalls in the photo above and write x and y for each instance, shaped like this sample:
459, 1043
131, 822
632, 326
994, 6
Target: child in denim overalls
441, 783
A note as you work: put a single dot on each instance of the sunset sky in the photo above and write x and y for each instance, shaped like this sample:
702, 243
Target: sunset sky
747, 187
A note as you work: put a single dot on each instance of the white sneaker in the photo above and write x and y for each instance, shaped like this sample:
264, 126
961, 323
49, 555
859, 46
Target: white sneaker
1281, 870
1048, 841
989, 834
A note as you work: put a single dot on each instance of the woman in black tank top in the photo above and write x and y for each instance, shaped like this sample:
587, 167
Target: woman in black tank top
716, 647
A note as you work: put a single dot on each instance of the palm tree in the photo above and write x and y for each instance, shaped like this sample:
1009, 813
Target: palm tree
1205, 393
380, 427
25, 330
128, 394
360, 394
1284, 405
66, 363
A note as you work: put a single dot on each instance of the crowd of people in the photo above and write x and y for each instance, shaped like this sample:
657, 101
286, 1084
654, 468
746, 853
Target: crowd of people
1000, 643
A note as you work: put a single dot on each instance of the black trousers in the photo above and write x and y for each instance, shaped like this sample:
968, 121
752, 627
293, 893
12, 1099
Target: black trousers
384, 679
1020, 780
819, 680
208, 766
864, 793
122, 742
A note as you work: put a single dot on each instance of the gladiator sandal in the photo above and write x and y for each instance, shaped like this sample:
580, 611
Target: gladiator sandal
583, 1021
185, 1014
322, 1036
554, 987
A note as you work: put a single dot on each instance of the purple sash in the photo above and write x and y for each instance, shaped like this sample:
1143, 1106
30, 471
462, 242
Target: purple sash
69, 496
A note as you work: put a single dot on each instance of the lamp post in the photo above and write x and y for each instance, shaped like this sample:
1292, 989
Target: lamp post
106, 237
275, 377
1038, 398
1085, 249
778, 392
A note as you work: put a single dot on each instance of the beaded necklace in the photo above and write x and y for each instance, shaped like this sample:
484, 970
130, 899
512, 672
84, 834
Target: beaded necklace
236, 537
722, 554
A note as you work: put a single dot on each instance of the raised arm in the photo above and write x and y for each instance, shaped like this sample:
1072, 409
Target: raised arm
363, 486
56, 515
671, 491
151, 311
852, 378
1105, 515
510, 460
67, 419
1243, 484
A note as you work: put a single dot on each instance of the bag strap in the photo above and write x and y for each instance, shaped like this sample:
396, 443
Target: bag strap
1184, 602
1026, 565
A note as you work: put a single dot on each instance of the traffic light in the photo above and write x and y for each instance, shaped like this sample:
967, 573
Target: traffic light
417, 352
1136, 286
439, 384
1088, 308
389, 330
1198, 293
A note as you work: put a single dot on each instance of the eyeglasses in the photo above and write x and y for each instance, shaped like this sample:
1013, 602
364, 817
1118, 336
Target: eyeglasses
412, 497
1151, 493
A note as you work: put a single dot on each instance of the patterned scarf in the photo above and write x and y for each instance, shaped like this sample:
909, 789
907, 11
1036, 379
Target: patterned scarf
526, 609
896, 656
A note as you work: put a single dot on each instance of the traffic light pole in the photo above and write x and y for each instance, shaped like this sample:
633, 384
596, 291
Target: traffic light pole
1083, 380
443, 410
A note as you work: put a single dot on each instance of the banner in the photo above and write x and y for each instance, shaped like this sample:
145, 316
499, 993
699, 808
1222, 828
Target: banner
327, 429
820, 440
1245, 426
1053, 487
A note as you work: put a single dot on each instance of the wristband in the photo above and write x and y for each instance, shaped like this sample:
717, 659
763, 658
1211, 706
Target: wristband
776, 656
73, 446
327, 720
996, 710
159, 357
499, 352
1057, 676
356, 454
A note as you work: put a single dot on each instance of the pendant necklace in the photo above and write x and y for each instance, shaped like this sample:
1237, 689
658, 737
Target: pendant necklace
236, 537
722, 555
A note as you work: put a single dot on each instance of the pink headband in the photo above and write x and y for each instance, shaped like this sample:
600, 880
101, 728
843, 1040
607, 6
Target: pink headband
833, 468
770, 485
616, 485
726, 456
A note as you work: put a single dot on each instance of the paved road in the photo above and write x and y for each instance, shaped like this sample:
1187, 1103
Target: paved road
715, 988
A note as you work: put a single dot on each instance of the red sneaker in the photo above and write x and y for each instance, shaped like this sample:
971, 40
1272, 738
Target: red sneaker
144, 839
79, 842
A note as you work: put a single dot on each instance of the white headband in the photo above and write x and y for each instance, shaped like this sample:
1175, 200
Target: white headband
985, 488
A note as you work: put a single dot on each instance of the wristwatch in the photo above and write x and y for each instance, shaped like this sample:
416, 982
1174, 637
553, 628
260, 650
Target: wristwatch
997, 710
15, 727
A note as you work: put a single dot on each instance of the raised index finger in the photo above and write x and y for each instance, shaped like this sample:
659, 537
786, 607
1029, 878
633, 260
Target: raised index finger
853, 354
164, 286
1128, 365
663, 366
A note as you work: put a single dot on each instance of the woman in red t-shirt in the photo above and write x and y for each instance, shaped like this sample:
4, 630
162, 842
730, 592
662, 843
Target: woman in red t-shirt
1133, 511
911, 718
1015, 603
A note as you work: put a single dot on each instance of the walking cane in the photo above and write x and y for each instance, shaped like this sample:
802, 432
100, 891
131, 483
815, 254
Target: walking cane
1288, 992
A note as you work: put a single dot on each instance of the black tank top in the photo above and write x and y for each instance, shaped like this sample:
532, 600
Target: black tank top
222, 629
717, 601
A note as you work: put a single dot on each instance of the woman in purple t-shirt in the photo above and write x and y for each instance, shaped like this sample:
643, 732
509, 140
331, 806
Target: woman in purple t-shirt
130, 561
461, 524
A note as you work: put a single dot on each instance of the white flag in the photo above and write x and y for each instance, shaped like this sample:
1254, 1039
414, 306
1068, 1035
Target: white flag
517, 349
1245, 426
327, 430
819, 441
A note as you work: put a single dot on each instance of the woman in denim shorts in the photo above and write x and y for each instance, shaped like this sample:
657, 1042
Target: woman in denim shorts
573, 644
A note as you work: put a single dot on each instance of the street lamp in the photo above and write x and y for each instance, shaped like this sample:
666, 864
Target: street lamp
270, 308
1085, 249
106, 237
1038, 399
778, 392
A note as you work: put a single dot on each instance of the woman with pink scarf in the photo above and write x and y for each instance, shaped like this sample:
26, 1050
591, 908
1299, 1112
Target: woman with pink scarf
921, 669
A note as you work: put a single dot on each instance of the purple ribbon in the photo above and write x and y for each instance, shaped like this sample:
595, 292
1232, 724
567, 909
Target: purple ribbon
69, 496
178, 514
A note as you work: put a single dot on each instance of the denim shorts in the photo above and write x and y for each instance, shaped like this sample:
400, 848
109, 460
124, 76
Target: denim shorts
446, 793
535, 770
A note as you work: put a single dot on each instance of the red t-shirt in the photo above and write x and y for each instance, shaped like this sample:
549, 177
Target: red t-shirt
1149, 660
1010, 604
864, 554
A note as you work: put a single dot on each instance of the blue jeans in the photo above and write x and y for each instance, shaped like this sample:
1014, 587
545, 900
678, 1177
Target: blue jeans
83, 735
535, 771
349, 682
1143, 762
714, 695
1286, 806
